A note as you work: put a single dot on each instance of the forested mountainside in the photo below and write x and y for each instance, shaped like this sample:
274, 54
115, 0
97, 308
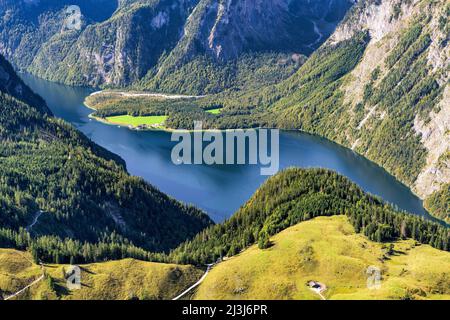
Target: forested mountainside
62, 195
439, 203
26, 25
12, 85
388, 97
297, 195
379, 85
182, 46
268, 238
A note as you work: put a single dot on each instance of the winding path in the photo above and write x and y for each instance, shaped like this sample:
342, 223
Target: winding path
195, 284
28, 286
321, 296
35, 220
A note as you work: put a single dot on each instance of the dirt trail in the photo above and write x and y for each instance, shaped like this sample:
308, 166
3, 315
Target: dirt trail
195, 284
28, 286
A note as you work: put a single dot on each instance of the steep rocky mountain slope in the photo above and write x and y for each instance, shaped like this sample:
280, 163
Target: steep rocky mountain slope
218, 33
26, 25
379, 85
392, 102
66, 198
402, 81
163, 41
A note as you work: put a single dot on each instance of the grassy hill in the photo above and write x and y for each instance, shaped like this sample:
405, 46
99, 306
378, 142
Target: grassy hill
297, 241
327, 250
295, 195
115, 280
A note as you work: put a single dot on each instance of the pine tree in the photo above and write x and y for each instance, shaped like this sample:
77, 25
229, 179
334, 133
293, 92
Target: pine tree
264, 240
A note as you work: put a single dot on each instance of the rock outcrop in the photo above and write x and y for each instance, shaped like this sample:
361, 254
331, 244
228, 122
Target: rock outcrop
125, 41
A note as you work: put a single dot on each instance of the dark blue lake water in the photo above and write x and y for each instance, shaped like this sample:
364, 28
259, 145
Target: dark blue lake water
219, 190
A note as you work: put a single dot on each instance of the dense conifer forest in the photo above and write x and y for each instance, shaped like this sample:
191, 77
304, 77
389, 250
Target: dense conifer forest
297, 195
63, 196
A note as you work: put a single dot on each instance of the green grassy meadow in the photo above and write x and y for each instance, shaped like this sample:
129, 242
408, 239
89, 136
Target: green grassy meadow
215, 111
114, 280
128, 120
327, 250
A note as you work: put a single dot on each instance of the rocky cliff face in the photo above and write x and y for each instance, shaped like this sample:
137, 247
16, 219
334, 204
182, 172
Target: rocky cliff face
237, 26
27, 25
126, 40
225, 29
387, 22
391, 104
118, 51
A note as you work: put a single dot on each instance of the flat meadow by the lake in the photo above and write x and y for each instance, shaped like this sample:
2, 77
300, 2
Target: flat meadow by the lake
128, 120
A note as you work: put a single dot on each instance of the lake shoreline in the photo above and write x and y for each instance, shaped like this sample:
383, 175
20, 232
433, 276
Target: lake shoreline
170, 130
129, 127
219, 190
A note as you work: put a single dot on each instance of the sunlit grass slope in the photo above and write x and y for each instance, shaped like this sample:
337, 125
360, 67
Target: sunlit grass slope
114, 280
214, 111
127, 120
327, 250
